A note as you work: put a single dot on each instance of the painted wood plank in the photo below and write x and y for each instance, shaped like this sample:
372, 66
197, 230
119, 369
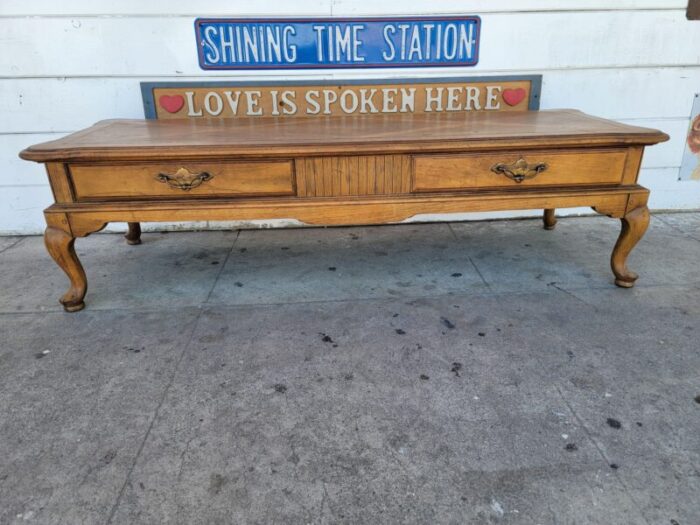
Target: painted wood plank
21, 209
306, 7
108, 46
667, 154
352, 7
16, 171
169, 7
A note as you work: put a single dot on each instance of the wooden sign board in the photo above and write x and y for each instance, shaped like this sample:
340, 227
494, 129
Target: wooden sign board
166, 100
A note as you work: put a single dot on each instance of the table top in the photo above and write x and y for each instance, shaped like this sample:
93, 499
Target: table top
264, 137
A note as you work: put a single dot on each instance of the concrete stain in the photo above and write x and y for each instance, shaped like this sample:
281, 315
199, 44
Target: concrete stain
108, 457
449, 324
216, 483
614, 423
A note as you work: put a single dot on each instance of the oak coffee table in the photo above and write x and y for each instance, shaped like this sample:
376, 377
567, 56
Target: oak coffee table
340, 170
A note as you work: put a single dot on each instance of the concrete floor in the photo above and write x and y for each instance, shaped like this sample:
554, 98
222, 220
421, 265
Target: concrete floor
440, 373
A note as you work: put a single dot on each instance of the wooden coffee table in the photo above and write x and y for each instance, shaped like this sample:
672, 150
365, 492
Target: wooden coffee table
340, 170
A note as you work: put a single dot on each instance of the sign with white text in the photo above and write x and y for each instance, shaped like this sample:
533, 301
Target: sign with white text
231, 99
439, 41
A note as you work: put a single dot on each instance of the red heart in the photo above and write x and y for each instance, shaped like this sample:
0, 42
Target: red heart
513, 97
171, 104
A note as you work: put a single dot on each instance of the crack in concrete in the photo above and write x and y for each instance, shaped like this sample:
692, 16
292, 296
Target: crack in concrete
221, 268
471, 261
171, 380
571, 294
13, 244
601, 452
671, 225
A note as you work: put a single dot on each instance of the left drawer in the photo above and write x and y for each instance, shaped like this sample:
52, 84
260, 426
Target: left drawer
182, 180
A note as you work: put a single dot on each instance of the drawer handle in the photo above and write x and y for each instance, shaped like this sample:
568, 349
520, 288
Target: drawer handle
184, 179
519, 170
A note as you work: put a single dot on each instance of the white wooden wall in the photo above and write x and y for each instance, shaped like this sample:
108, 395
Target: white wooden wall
66, 64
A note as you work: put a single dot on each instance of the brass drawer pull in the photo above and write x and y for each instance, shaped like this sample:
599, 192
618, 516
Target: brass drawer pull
519, 170
184, 179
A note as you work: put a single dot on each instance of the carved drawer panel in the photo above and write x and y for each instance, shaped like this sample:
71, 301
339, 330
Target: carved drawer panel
353, 175
518, 169
179, 180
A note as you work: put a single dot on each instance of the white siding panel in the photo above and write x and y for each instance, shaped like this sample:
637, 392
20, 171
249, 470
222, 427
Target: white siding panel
336, 7
16, 171
667, 154
667, 192
166, 46
21, 209
623, 93
65, 65
229, 8
31, 105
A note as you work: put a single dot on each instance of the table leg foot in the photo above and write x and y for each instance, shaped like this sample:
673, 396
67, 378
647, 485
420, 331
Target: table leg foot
133, 235
550, 221
60, 246
634, 224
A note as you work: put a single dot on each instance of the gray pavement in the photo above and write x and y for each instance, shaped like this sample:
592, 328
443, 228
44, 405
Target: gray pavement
484, 372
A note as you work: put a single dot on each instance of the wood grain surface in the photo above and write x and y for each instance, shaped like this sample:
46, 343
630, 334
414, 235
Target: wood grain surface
138, 139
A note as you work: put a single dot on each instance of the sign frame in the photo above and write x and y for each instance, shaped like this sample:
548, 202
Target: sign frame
292, 20
149, 102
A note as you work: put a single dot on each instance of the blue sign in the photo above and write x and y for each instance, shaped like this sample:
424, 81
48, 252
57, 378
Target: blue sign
337, 43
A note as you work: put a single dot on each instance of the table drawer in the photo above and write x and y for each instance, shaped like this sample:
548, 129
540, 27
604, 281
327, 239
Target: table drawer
517, 169
175, 180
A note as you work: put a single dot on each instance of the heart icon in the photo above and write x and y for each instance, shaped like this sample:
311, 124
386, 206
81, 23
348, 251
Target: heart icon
513, 97
174, 103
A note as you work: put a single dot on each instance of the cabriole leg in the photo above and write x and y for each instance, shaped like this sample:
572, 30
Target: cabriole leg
634, 224
549, 219
60, 245
133, 235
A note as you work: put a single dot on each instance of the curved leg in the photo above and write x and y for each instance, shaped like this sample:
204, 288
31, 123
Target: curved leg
549, 219
60, 246
634, 224
133, 236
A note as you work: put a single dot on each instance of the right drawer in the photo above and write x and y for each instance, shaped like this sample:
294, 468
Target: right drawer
517, 169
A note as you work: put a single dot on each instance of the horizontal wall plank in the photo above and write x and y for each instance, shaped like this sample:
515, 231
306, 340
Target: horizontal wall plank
15, 171
50, 105
177, 7
140, 46
623, 93
667, 192
21, 209
335, 7
352, 7
667, 154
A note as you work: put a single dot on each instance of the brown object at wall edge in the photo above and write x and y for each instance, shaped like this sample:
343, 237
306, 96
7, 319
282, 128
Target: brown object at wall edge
693, 12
